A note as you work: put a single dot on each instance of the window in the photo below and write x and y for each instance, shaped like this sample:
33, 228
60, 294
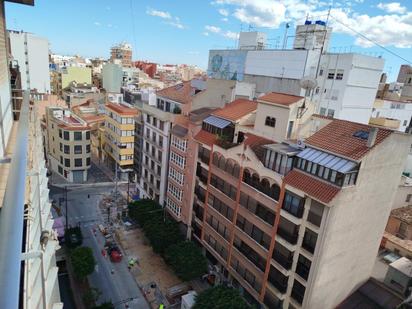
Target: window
223, 186
66, 135
154, 121
87, 134
67, 162
171, 205
221, 207
405, 122
320, 72
87, 148
408, 197
402, 231
303, 267
61, 147
60, 170
77, 149
77, 136
176, 176
339, 74
270, 121
161, 125
331, 74
175, 191
331, 113
66, 149
309, 240
78, 162
180, 144
293, 204
88, 161
323, 111
177, 159
60, 133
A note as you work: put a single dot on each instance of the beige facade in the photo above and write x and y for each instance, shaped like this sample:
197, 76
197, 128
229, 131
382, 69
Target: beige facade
68, 144
118, 137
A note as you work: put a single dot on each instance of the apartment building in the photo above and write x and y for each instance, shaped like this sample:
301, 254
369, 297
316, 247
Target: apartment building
284, 221
27, 242
68, 144
171, 104
398, 232
118, 137
340, 85
31, 53
121, 54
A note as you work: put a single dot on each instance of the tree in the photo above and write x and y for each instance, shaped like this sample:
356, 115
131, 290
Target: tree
162, 233
73, 237
105, 305
83, 262
220, 297
186, 259
144, 210
91, 296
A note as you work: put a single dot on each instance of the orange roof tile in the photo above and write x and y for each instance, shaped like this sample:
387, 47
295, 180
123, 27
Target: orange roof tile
181, 93
236, 109
337, 137
121, 109
205, 137
315, 188
280, 98
256, 142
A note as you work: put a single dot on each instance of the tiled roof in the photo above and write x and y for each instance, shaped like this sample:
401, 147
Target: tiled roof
121, 109
236, 109
206, 138
280, 98
181, 93
337, 137
403, 214
316, 188
256, 142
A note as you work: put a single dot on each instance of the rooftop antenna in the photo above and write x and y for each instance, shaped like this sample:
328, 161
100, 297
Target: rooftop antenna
285, 37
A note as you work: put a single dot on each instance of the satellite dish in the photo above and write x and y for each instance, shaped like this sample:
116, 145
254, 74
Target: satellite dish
308, 83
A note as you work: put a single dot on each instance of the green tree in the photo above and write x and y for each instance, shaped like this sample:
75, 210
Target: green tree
145, 211
73, 237
220, 297
186, 259
162, 233
105, 305
83, 262
90, 297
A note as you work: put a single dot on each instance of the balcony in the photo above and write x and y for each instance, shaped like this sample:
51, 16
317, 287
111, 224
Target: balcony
286, 235
285, 261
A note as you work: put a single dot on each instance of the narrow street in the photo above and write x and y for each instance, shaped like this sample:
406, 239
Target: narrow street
119, 286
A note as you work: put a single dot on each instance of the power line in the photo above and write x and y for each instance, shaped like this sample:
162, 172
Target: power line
372, 41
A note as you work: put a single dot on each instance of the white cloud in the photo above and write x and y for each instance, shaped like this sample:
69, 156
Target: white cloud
227, 34
213, 29
225, 19
96, 23
161, 14
391, 28
392, 7
223, 12
173, 21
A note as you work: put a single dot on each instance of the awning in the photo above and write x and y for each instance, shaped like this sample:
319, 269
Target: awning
217, 122
327, 160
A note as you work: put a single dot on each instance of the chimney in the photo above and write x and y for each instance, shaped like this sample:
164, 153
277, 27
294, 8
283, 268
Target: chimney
373, 132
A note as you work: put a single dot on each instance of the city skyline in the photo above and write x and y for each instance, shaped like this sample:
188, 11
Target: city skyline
178, 36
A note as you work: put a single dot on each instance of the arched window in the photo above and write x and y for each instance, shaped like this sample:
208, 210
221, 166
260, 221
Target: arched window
270, 121
229, 166
236, 170
265, 185
246, 176
222, 163
255, 181
215, 159
275, 192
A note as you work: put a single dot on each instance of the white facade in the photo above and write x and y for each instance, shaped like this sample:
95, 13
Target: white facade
401, 111
32, 55
347, 85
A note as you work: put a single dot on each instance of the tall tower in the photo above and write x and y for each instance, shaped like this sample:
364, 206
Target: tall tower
122, 54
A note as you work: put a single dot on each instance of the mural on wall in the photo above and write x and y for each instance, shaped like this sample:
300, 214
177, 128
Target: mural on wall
227, 64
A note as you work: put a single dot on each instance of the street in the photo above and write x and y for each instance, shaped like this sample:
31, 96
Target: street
119, 286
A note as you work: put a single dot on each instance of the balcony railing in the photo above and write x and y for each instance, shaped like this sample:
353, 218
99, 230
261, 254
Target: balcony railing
12, 215
291, 238
283, 260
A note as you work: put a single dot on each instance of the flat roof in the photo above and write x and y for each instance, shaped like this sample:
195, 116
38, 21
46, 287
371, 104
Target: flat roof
283, 148
404, 265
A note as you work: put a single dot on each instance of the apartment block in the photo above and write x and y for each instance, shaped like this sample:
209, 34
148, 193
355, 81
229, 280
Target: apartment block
31, 53
68, 144
398, 232
118, 137
121, 54
284, 220
340, 85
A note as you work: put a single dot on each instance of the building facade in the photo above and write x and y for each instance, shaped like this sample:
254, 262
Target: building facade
112, 77
68, 144
122, 54
79, 75
284, 222
118, 137
32, 55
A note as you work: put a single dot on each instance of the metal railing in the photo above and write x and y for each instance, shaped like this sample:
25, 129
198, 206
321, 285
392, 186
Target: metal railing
12, 215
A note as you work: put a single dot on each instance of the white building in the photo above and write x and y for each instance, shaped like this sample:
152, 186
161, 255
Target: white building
27, 242
32, 55
395, 110
341, 85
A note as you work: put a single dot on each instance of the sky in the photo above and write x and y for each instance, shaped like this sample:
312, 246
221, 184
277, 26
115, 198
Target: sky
183, 31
